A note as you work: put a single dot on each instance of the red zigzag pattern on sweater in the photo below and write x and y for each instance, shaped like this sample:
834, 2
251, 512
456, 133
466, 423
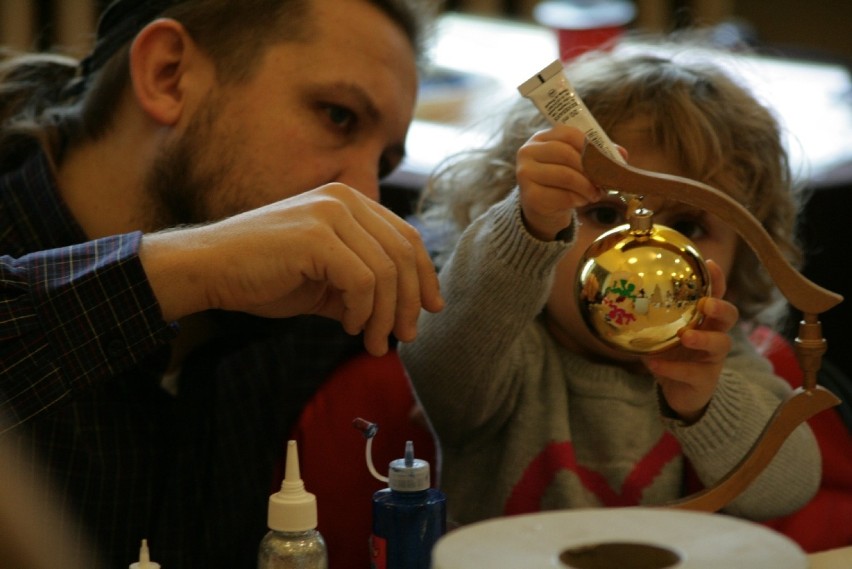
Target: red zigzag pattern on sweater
527, 494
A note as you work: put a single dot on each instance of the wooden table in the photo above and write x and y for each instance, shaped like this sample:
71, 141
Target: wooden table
833, 559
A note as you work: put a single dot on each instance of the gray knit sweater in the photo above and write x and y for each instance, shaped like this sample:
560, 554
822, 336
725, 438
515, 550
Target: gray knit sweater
525, 425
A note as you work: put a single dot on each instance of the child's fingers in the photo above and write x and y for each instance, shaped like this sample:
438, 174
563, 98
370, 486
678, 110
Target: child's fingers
572, 135
553, 152
718, 286
551, 170
713, 343
719, 315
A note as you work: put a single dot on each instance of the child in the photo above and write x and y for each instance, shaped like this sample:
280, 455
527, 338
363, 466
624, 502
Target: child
530, 411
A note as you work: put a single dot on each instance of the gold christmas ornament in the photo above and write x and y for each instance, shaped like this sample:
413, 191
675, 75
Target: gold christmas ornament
639, 285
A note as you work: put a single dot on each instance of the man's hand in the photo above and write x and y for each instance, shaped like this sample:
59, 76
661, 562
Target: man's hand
331, 252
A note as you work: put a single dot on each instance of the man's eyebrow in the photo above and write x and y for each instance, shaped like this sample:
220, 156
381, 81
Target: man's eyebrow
359, 94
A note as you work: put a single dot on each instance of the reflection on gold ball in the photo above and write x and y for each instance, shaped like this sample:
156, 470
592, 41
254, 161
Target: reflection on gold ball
639, 289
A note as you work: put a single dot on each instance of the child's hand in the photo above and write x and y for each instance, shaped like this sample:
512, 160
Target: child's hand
550, 175
689, 373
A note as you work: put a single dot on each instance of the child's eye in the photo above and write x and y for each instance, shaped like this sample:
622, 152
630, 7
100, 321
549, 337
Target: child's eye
690, 228
604, 215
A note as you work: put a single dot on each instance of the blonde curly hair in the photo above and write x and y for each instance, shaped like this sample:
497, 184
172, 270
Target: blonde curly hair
719, 132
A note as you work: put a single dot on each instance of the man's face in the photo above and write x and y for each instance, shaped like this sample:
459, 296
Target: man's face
334, 108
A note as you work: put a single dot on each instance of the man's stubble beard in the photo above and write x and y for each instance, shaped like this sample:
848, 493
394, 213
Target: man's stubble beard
190, 174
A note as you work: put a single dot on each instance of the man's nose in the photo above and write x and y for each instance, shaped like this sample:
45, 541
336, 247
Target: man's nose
364, 178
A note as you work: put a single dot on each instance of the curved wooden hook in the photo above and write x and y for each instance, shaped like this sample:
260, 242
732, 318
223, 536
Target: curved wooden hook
799, 406
801, 292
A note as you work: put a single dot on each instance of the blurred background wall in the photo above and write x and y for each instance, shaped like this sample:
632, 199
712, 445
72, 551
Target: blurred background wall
818, 28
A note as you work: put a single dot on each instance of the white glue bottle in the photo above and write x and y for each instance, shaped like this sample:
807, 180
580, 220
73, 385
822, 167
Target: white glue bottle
144, 558
293, 541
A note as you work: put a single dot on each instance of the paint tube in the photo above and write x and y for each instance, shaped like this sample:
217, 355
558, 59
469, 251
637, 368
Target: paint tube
553, 95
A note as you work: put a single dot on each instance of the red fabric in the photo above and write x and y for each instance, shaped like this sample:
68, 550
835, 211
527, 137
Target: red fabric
331, 451
826, 521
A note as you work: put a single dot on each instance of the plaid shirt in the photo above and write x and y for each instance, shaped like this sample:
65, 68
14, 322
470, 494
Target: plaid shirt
82, 353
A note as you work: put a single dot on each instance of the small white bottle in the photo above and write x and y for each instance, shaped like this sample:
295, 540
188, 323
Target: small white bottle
293, 541
144, 558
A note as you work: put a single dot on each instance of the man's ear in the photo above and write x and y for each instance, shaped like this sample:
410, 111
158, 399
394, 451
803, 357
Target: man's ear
161, 56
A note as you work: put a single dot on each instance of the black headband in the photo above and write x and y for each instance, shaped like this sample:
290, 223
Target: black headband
120, 23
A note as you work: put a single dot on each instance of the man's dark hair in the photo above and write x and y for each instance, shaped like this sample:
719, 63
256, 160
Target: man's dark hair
58, 101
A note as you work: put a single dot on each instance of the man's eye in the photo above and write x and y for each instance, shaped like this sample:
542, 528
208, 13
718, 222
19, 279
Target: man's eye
341, 116
604, 215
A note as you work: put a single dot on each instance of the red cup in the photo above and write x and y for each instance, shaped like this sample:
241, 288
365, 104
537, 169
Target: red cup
583, 25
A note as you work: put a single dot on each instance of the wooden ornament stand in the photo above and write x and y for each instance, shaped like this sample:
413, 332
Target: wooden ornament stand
805, 295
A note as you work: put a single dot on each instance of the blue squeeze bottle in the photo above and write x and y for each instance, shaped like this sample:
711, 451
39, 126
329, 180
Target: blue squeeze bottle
408, 516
